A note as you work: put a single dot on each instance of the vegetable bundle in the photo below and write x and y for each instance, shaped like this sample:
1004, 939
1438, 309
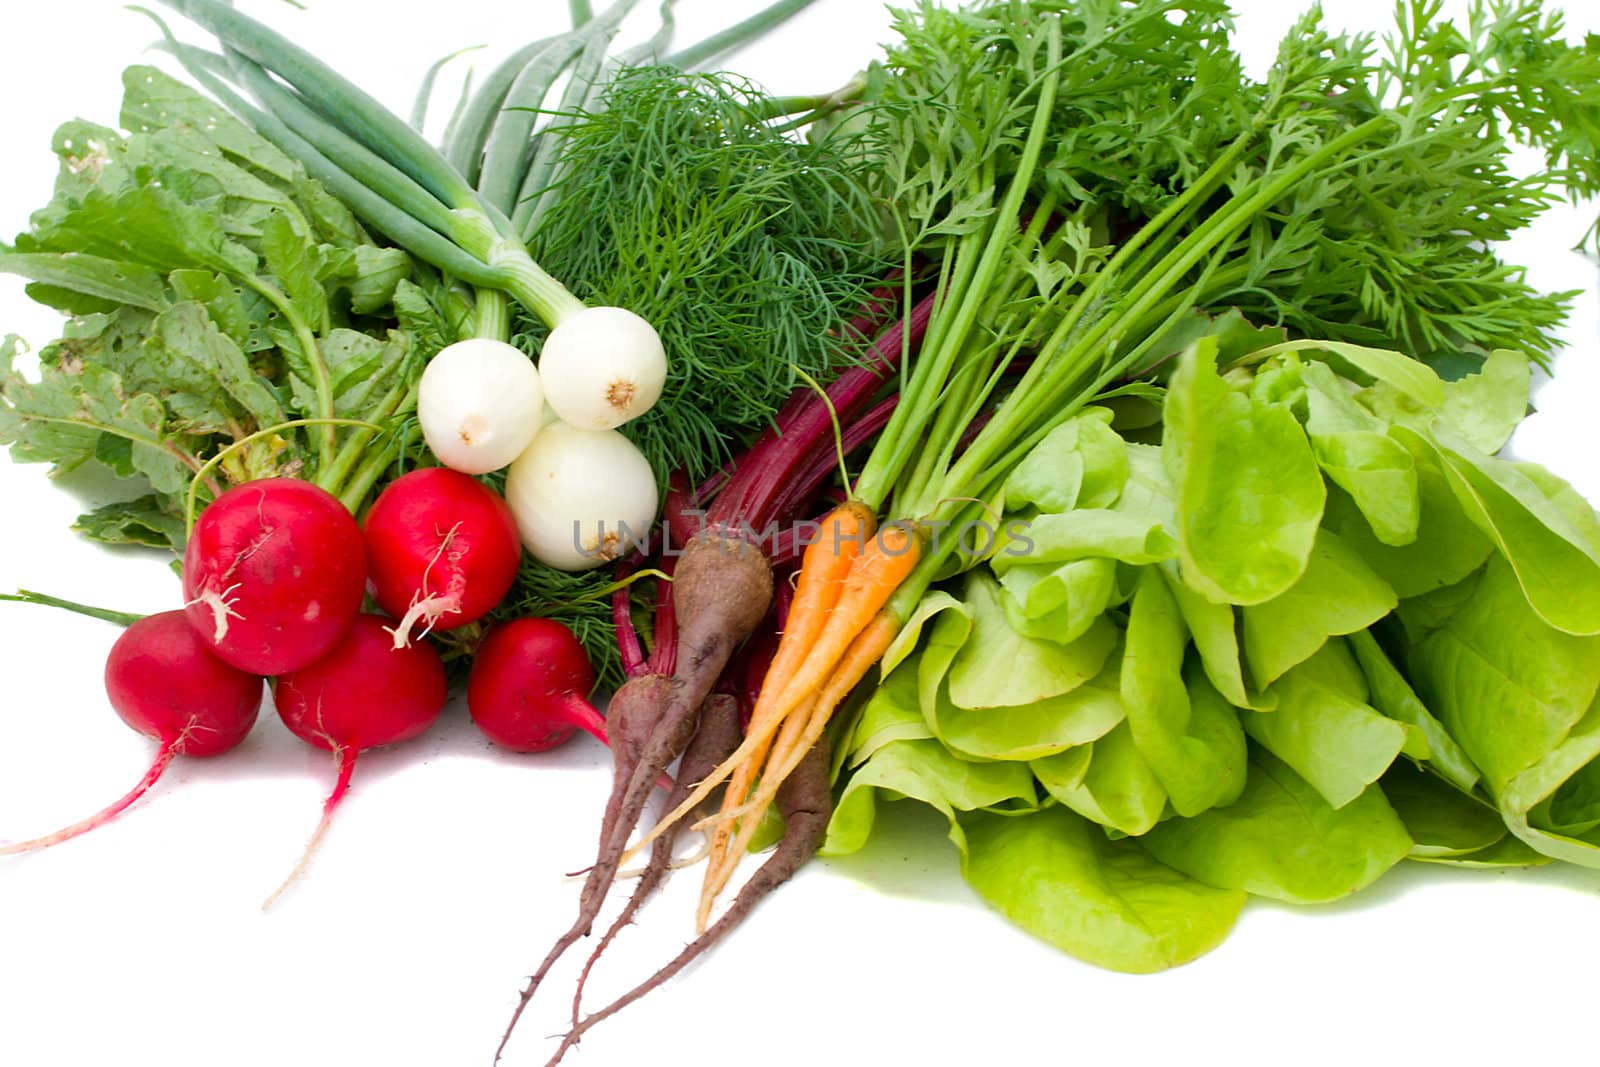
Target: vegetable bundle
1144, 519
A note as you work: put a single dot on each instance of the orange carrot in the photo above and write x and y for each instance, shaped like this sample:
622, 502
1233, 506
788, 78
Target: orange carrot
872, 580
847, 532
800, 734
857, 635
823, 572
720, 862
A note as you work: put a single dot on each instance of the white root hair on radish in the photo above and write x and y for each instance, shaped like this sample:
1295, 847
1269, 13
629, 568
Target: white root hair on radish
221, 608
191, 729
430, 609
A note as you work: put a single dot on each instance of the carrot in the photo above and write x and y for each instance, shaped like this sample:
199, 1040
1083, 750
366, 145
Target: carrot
800, 735
824, 570
720, 861
872, 578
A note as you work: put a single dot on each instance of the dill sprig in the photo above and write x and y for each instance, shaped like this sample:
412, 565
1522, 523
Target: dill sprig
745, 247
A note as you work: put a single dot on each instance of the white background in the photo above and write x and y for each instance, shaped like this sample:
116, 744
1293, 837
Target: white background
441, 882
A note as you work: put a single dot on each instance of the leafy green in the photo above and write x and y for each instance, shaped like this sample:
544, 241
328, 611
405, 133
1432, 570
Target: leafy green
1485, 407
109, 280
1509, 851
1323, 728
1032, 730
1213, 628
1325, 555
1281, 839
1529, 802
1182, 727
79, 411
1239, 464
1337, 594
988, 692
925, 771
1391, 694
1448, 545
1356, 453
1080, 464
996, 666
1058, 602
890, 713
1548, 533
216, 294
133, 522
1507, 685
1106, 781
1107, 902
1443, 822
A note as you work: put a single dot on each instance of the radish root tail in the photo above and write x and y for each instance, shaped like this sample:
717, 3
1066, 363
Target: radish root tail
102, 817
345, 764
428, 612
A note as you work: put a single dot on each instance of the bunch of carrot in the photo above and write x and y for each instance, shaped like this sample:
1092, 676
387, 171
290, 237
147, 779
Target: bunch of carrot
836, 632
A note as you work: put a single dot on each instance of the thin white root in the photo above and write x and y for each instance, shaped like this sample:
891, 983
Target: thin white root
221, 609
681, 863
305, 862
429, 611
429, 608
692, 858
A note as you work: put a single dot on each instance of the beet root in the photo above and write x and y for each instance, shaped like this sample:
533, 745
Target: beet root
721, 590
715, 741
805, 802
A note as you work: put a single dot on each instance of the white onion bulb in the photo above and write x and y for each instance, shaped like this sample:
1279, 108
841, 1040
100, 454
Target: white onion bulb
480, 403
601, 367
581, 497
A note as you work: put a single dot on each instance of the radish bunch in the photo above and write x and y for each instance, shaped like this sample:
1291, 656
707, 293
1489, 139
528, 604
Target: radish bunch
581, 493
275, 577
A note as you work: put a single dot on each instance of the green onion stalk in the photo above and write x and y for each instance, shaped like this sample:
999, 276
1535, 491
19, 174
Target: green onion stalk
469, 208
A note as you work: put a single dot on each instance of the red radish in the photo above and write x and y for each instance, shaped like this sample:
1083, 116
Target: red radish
275, 571
362, 694
165, 683
442, 549
529, 686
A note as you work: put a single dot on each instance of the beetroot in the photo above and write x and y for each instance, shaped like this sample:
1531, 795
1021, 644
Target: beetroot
805, 802
719, 735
